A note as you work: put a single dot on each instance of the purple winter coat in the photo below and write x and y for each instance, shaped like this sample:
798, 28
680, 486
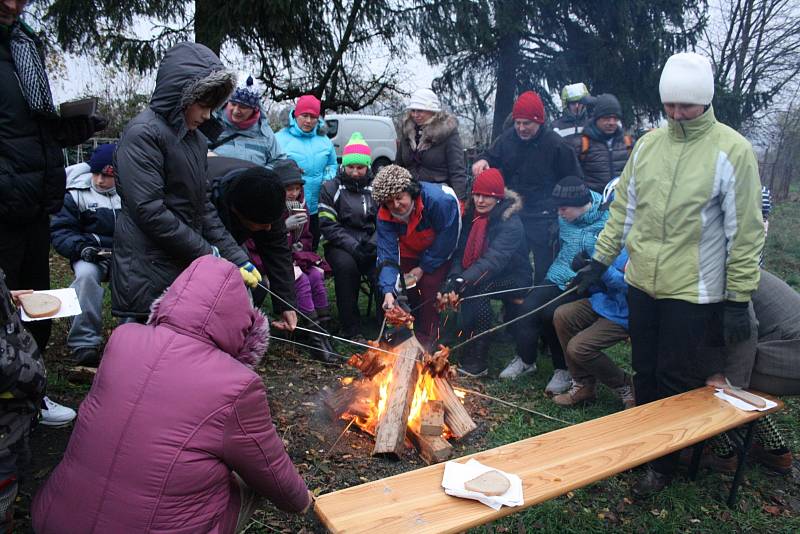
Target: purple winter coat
174, 409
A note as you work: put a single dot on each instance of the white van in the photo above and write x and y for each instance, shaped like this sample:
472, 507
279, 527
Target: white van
378, 131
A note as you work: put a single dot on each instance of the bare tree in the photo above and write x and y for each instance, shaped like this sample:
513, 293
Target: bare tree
754, 46
781, 157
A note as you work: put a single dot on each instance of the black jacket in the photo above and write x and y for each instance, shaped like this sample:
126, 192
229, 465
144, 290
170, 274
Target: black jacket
439, 155
167, 220
604, 158
347, 211
272, 245
533, 167
507, 252
31, 160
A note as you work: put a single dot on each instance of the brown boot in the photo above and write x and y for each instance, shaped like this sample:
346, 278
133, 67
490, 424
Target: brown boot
581, 391
778, 461
625, 393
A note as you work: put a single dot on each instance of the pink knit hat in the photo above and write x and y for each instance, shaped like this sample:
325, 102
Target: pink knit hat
307, 104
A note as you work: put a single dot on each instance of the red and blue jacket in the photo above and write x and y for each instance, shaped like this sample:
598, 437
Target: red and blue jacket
430, 235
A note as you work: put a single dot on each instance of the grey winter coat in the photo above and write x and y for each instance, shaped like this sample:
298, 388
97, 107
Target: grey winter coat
167, 220
438, 156
605, 157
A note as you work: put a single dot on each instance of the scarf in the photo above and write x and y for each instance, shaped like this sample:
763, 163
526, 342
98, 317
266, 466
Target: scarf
31, 73
244, 125
476, 241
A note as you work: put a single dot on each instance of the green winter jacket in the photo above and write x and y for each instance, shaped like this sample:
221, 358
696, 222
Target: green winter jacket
688, 208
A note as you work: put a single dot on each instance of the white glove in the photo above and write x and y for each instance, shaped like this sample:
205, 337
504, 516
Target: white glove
296, 221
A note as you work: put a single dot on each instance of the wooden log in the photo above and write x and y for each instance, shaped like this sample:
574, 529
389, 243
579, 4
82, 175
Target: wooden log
432, 418
390, 433
455, 414
432, 449
81, 374
355, 399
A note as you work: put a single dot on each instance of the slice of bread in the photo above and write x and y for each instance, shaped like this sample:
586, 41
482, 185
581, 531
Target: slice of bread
490, 483
38, 305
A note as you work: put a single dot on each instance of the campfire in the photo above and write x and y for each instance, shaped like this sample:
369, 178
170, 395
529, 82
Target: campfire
404, 393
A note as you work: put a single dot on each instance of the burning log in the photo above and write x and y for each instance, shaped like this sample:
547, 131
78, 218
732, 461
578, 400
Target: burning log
391, 430
431, 421
432, 449
455, 415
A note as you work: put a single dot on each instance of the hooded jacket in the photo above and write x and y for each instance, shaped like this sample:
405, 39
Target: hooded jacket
431, 233
87, 218
347, 211
31, 160
569, 125
166, 219
300, 241
507, 253
438, 156
256, 144
688, 209
533, 167
612, 303
605, 156
175, 409
574, 237
314, 153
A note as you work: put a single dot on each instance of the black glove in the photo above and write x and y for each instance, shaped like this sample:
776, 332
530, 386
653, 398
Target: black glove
365, 254
454, 283
590, 275
75, 130
91, 254
580, 261
736, 325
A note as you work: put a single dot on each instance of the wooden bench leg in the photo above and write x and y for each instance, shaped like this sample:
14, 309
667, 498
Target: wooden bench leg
697, 454
744, 448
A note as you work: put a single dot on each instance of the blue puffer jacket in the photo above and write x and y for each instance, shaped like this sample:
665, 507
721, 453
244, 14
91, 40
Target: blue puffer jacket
577, 236
314, 153
613, 302
256, 144
87, 218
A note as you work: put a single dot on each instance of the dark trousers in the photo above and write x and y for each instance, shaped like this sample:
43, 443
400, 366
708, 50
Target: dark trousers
423, 297
476, 315
313, 227
583, 335
540, 323
25, 258
538, 233
666, 335
347, 282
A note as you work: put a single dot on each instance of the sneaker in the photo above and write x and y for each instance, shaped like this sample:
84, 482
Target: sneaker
517, 367
779, 461
579, 393
54, 414
86, 356
559, 383
625, 393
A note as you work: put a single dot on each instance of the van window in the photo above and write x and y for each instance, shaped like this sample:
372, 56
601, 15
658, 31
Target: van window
333, 127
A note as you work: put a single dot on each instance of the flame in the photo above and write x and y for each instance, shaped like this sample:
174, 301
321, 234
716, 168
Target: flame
424, 391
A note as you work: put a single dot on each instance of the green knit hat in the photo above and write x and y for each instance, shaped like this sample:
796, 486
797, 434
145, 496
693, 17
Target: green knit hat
356, 151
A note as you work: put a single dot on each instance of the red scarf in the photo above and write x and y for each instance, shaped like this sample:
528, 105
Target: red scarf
476, 241
244, 125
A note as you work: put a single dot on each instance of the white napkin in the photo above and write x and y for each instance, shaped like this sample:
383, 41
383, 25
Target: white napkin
742, 405
456, 474
69, 304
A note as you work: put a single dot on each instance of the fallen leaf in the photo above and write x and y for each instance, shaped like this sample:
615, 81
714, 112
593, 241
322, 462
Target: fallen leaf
772, 510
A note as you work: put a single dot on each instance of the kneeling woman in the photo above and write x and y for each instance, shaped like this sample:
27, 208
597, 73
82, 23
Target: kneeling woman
175, 434
418, 224
492, 255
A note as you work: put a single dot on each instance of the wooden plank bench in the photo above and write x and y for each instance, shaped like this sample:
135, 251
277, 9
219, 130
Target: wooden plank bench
549, 465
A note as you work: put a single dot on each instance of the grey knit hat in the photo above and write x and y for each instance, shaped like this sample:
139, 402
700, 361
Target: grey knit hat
390, 180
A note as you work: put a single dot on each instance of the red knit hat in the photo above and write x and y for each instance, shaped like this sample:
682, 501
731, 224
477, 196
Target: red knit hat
490, 183
529, 107
307, 104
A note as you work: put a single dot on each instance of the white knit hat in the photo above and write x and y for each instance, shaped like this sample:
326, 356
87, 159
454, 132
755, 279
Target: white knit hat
687, 79
425, 100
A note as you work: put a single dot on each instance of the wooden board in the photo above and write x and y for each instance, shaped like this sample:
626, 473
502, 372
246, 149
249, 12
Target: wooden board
390, 433
432, 449
550, 465
455, 415
431, 418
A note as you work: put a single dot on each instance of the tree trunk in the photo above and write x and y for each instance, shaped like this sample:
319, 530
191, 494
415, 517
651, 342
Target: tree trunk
206, 27
507, 65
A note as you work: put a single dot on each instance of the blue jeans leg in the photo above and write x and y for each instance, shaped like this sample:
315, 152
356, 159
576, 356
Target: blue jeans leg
87, 327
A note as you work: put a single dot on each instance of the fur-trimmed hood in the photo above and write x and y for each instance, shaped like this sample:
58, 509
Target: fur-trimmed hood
439, 127
208, 301
505, 208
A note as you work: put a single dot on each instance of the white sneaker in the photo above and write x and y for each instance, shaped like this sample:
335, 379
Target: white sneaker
560, 383
54, 414
517, 367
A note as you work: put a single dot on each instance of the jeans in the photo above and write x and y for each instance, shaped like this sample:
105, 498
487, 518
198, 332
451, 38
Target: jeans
87, 328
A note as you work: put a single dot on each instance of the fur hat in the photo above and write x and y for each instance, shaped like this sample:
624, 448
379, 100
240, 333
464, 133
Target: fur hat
687, 78
490, 183
356, 151
571, 191
247, 95
308, 104
424, 99
390, 181
529, 106
258, 195
101, 160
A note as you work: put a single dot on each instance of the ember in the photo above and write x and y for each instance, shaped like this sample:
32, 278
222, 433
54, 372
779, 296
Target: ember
447, 301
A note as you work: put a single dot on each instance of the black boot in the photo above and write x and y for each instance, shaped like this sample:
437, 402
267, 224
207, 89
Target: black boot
323, 350
473, 360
